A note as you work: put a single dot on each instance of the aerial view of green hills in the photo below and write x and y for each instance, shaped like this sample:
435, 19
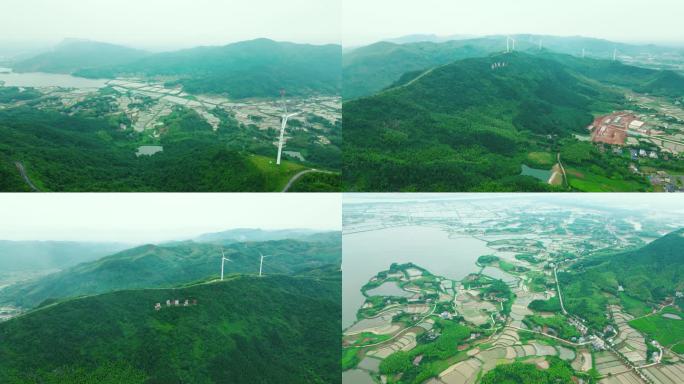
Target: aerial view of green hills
547, 114
173, 313
94, 116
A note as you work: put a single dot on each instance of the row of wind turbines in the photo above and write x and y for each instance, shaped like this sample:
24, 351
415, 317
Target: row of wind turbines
224, 259
510, 47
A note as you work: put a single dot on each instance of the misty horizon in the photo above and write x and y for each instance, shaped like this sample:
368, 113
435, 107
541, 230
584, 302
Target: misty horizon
364, 23
156, 218
173, 24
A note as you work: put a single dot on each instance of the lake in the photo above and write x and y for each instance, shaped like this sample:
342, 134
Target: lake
390, 288
148, 150
367, 253
541, 174
40, 79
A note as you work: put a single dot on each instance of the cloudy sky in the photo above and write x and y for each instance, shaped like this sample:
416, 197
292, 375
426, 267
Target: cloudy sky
622, 20
161, 24
154, 217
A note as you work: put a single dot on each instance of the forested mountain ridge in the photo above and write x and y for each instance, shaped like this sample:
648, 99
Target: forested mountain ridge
254, 68
647, 276
245, 329
467, 125
169, 265
372, 68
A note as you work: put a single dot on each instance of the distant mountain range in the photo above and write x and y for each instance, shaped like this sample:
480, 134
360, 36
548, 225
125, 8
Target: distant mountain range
255, 234
274, 329
72, 55
369, 69
49, 255
255, 68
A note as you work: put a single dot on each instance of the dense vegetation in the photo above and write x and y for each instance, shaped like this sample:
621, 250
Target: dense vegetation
176, 263
647, 275
243, 330
669, 332
436, 354
255, 68
372, 68
422, 135
559, 372
79, 153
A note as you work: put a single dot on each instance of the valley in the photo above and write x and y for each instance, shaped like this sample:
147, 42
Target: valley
151, 115
540, 301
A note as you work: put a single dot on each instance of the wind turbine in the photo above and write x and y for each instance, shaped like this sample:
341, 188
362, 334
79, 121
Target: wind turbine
261, 262
508, 45
541, 44
283, 124
223, 261
583, 53
614, 54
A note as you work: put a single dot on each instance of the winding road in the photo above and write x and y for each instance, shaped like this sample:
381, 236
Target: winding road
300, 174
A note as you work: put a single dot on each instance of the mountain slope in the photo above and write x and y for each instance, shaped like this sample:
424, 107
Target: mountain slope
255, 68
169, 265
73, 55
372, 68
466, 125
652, 272
37, 255
243, 330
76, 153
647, 276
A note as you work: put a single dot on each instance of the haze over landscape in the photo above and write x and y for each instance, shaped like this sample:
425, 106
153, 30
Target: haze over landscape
160, 217
629, 21
170, 24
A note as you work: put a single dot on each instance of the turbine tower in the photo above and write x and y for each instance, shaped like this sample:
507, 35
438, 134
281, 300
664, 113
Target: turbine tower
283, 124
583, 53
261, 262
223, 261
541, 44
510, 47
614, 54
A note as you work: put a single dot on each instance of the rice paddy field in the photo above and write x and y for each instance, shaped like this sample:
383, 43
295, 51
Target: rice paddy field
666, 326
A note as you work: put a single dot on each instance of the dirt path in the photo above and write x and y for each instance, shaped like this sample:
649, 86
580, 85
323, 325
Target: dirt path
22, 171
296, 177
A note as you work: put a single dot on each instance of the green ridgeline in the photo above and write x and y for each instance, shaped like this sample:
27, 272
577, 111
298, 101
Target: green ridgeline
168, 265
246, 329
255, 68
648, 275
468, 126
369, 69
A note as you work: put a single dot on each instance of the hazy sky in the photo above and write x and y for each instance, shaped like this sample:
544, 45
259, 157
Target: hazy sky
623, 20
171, 23
666, 204
159, 216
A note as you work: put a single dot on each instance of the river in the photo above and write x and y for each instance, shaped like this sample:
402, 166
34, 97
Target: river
40, 80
